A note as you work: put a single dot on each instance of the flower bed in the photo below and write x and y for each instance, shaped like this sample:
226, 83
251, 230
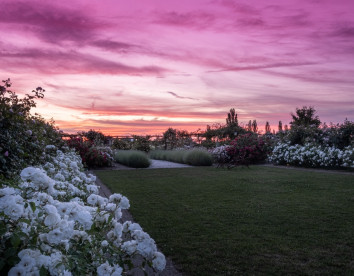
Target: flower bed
53, 221
310, 155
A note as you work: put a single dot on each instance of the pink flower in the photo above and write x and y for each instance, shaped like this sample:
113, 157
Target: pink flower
6, 153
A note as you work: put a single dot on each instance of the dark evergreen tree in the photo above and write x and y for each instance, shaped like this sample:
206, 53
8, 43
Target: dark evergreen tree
254, 126
267, 127
280, 126
305, 116
231, 119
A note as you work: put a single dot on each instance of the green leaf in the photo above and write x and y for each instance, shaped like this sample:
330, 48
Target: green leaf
43, 271
3, 229
15, 241
2, 263
9, 252
33, 206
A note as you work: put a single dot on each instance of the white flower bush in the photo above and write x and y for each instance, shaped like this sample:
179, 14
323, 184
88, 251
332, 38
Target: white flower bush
220, 155
55, 221
311, 155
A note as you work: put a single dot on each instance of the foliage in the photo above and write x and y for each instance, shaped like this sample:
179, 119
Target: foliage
339, 135
300, 134
220, 156
305, 116
141, 143
92, 156
170, 138
23, 136
121, 144
245, 221
231, 119
267, 127
132, 158
95, 137
246, 149
219, 133
54, 222
254, 126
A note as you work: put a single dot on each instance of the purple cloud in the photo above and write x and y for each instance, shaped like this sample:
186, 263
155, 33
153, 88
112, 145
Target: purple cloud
57, 62
179, 97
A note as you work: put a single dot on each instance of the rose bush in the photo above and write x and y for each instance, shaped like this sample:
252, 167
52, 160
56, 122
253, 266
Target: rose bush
93, 156
23, 136
54, 221
247, 149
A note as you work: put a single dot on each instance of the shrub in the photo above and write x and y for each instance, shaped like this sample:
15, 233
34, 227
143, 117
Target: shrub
198, 158
312, 156
247, 149
92, 155
23, 136
121, 144
53, 222
141, 143
220, 156
132, 158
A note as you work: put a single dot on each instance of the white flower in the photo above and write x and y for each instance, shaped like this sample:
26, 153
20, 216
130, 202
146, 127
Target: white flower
104, 269
118, 214
43, 260
7, 191
92, 189
55, 236
124, 203
159, 261
130, 246
66, 273
27, 263
104, 243
115, 198
85, 218
92, 199
118, 229
59, 177
14, 211
117, 271
110, 207
17, 271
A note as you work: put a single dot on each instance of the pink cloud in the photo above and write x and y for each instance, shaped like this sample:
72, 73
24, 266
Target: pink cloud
177, 59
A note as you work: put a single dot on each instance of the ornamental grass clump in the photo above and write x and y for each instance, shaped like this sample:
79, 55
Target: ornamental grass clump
198, 158
195, 157
132, 158
54, 222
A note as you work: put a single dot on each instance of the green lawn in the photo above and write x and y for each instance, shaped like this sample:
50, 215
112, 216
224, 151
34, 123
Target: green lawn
244, 221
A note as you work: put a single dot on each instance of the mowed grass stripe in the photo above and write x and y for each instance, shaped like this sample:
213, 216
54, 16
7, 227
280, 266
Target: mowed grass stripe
255, 220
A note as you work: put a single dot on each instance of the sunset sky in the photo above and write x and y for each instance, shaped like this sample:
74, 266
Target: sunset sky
139, 67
